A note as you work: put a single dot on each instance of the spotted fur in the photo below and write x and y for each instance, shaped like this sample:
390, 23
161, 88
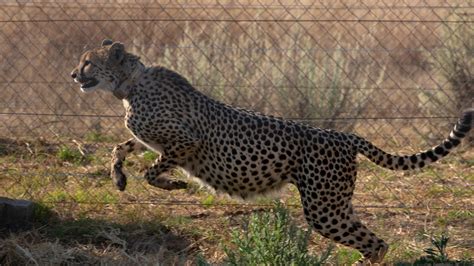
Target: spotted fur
241, 152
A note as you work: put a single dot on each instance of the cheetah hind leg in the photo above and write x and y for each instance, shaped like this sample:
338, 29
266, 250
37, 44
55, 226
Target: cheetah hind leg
167, 183
344, 227
358, 236
158, 175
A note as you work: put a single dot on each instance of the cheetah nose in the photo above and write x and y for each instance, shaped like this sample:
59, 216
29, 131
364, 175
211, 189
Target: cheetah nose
73, 75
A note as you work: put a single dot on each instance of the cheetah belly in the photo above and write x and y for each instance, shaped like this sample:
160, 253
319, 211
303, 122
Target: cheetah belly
239, 170
158, 148
238, 183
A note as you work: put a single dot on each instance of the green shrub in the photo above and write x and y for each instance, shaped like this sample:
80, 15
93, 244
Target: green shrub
95, 136
42, 213
69, 155
272, 239
150, 156
437, 254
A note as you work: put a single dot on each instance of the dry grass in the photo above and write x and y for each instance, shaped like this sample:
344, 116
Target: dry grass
94, 222
287, 69
94, 244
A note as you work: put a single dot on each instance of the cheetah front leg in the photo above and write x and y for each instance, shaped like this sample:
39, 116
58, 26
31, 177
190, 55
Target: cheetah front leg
156, 175
118, 156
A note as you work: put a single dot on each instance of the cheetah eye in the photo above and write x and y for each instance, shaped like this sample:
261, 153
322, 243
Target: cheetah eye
86, 63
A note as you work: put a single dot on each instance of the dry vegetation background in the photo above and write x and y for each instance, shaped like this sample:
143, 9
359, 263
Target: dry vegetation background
396, 72
345, 60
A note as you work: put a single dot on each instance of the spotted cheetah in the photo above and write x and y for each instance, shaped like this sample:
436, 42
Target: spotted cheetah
240, 152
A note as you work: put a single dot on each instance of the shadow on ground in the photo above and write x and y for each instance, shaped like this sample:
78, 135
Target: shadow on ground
93, 241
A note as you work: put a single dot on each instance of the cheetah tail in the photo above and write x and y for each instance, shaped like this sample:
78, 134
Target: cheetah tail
421, 159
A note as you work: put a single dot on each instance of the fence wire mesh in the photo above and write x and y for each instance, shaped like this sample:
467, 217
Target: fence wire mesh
396, 73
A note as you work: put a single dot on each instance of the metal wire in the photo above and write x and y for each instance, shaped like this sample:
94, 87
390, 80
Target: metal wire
237, 20
376, 70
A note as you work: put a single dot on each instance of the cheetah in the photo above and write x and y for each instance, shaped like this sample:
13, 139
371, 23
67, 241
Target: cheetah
240, 152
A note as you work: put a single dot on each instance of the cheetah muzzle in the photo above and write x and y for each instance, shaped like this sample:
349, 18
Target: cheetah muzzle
241, 152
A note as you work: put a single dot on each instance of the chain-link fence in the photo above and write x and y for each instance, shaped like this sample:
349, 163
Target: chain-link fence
398, 74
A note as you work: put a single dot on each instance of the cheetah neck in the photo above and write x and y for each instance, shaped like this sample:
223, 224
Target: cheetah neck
125, 88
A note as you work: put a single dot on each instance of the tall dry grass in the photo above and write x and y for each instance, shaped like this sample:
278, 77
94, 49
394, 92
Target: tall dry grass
293, 79
301, 69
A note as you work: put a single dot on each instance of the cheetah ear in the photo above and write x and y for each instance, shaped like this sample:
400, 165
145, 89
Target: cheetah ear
107, 42
116, 52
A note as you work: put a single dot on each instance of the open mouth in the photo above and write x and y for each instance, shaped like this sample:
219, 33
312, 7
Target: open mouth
88, 83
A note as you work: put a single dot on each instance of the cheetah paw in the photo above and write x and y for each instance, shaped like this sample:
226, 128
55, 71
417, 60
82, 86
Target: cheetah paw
119, 179
168, 184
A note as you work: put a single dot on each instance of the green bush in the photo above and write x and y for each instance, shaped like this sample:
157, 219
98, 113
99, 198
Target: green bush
272, 239
437, 254
69, 155
150, 156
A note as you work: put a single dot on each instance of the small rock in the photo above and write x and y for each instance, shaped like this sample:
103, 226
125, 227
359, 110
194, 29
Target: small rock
16, 212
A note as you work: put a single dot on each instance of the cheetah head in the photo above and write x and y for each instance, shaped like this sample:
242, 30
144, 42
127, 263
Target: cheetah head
105, 67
